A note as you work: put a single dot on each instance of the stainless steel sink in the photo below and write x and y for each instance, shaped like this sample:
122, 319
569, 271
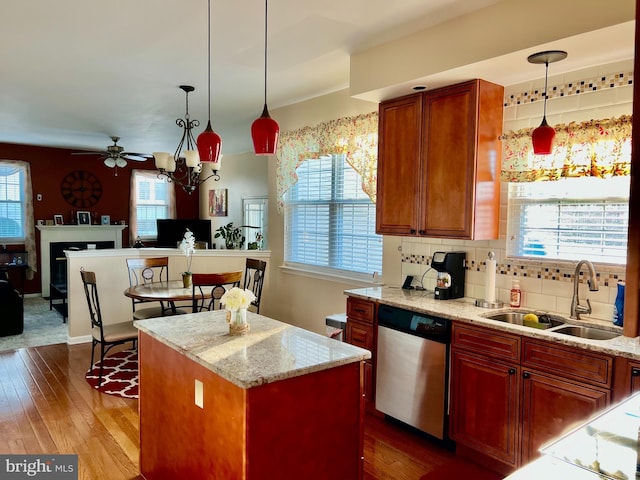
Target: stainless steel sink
516, 317
586, 332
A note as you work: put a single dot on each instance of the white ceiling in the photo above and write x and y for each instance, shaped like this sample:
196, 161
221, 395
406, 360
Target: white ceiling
74, 72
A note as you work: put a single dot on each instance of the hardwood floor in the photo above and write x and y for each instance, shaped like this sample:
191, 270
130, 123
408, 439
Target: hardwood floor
46, 406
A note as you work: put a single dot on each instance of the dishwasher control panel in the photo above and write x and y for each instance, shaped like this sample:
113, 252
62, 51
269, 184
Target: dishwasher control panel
420, 324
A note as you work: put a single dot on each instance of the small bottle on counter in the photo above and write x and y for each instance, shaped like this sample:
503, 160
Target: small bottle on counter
515, 297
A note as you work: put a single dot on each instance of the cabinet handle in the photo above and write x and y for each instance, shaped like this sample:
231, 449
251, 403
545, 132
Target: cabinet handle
525, 375
413, 231
635, 372
422, 232
512, 371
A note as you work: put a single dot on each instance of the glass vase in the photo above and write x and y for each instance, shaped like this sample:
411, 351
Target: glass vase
238, 324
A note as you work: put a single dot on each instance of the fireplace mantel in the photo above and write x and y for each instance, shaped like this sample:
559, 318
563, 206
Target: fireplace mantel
72, 233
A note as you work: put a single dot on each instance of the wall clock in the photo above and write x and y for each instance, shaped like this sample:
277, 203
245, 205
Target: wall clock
81, 189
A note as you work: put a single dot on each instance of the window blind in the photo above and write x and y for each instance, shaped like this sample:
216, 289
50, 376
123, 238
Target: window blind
11, 203
572, 219
330, 221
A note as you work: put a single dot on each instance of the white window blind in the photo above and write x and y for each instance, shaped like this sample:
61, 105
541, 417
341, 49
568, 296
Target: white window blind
329, 220
152, 202
570, 219
12, 203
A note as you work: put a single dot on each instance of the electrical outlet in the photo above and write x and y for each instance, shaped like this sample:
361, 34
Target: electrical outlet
199, 395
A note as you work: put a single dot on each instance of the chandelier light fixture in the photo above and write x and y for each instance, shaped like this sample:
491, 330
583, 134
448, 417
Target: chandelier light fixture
542, 137
185, 167
265, 130
209, 142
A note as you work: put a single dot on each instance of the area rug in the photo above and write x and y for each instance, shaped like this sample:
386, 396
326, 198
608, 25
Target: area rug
461, 469
119, 374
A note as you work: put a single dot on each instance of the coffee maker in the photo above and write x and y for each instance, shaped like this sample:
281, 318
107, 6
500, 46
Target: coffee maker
450, 268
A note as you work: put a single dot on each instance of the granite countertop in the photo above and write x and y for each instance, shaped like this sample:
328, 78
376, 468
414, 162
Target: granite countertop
464, 310
270, 352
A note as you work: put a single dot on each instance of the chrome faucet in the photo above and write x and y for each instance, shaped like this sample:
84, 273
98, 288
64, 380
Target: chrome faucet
592, 281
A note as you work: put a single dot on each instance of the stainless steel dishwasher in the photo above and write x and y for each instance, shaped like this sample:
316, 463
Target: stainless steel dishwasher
412, 368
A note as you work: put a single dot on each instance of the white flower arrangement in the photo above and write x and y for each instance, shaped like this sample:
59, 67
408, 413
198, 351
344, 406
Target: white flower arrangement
237, 299
188, 247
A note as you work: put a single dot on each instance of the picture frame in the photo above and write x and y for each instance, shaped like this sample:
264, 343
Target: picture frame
105, 220
218, 204
84, 218
58, 219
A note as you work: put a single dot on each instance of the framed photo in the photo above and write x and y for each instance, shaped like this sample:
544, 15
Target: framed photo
58, 220
218, 202
105, 220
84, 218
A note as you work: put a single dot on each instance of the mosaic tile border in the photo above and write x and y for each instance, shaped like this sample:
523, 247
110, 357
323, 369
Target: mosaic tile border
576, 87
514, 269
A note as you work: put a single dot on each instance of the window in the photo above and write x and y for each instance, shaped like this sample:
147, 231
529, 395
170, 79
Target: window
12, 203
569, 219
255, 215
153, 198
330, 221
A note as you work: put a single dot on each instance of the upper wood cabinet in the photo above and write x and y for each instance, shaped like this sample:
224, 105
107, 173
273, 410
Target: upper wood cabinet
439, 158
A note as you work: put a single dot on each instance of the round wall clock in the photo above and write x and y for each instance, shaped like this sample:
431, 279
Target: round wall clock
81, 189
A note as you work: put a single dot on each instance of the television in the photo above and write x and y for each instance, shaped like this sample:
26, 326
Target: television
171, 231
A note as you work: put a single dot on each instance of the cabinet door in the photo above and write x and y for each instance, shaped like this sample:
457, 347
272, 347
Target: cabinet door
485, 406
551, 406
399, 138
449, 154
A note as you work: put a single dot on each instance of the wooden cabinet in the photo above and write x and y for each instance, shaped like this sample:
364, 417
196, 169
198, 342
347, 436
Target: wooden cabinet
360, 331
485, 405
439, 158
627, 378
511, 395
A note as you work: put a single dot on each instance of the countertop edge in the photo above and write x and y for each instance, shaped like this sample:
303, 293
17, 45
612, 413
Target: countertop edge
464, 311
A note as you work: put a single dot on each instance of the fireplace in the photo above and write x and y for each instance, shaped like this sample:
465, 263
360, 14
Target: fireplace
79, 236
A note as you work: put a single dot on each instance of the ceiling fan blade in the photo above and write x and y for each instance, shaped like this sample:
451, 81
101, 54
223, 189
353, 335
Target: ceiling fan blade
135, 158
89, 153
141, 155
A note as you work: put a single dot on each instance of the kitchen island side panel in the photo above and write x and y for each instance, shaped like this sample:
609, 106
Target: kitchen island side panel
178, 439
309, 426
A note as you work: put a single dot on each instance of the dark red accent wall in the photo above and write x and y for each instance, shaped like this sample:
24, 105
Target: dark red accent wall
48, 168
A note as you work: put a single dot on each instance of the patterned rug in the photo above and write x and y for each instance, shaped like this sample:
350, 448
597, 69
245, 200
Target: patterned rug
119, 374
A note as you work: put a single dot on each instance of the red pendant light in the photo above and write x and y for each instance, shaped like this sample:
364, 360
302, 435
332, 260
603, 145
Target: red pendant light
542, 137
209, 142
265, 130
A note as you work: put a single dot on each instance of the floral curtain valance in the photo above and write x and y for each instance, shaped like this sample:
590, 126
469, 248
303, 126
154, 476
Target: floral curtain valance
597, 148
356, 137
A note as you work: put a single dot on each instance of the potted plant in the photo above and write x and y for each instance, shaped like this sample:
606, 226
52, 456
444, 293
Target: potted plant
188, 247
232, 236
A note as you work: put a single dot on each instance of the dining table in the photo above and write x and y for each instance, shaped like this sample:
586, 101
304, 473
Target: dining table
171, 292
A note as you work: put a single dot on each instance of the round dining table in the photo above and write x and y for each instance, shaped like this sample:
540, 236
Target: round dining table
171, 291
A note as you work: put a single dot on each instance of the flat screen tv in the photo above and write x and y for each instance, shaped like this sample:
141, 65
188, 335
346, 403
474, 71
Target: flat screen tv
171, 231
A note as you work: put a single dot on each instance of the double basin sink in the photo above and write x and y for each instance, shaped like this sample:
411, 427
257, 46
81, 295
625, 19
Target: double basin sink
552, 323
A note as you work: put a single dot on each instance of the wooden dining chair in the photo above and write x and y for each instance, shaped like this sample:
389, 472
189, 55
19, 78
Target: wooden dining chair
149, 270
108, 336
254, 278
218, 283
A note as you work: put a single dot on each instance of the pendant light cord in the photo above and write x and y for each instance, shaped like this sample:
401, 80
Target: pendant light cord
209, 55
265, 51
546, 77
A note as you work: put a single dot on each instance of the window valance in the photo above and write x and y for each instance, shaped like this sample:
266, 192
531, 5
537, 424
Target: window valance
356, 137
596, 148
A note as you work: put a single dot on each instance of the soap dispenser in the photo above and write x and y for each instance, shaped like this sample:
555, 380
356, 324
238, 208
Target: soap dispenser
515, 297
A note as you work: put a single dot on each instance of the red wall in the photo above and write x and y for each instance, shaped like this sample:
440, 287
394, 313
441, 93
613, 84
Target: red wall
48, 168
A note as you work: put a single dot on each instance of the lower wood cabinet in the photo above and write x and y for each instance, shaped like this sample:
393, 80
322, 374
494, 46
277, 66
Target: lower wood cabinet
485, 405
360, 331
550, 406
505, 410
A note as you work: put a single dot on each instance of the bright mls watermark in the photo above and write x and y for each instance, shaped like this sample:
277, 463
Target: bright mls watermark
52, 467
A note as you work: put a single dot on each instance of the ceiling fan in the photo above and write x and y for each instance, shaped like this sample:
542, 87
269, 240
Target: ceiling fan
115, 156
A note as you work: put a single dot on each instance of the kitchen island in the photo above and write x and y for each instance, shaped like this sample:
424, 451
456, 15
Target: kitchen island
279, 402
